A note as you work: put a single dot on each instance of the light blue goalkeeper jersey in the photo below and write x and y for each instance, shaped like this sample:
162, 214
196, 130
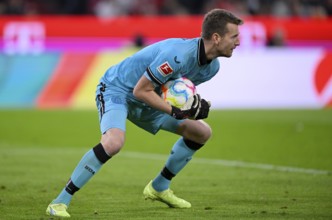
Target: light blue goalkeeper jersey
160, 62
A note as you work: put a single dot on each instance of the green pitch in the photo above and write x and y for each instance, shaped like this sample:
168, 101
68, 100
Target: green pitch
258, 165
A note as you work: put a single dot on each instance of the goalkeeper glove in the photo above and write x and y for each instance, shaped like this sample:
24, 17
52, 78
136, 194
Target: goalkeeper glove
178, 113
199, 109
204, 109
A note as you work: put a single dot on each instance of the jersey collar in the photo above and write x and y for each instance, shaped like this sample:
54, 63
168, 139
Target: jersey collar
201, 56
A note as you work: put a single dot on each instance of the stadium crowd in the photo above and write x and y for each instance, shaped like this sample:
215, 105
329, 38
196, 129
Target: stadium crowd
110, 8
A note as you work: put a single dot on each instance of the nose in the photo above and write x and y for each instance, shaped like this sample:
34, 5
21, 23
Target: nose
237, 42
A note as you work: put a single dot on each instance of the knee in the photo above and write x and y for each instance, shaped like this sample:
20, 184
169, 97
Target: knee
198, 140
196, 131
206, 132
202, 134
112, 143
112, 146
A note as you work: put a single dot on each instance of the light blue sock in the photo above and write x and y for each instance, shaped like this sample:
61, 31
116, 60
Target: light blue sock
177, 160
63, 197
86, 168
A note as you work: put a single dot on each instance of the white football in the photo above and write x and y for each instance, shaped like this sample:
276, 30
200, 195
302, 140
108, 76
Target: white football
179, 92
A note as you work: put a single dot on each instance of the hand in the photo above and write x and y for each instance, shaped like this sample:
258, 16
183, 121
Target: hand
204, 109
199, 109
191, 112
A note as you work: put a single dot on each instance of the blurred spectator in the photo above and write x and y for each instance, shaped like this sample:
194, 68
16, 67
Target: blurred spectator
14, 7
193, 7
172, 7
2, 7
280, 8
77, 7
109, 8
139, 41
253, 7
328, 7
277, 39
144, 7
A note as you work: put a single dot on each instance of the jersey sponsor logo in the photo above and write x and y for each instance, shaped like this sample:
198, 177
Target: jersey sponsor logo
165, 69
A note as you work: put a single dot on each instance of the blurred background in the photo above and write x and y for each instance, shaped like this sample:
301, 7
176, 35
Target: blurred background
111, 8
52, 53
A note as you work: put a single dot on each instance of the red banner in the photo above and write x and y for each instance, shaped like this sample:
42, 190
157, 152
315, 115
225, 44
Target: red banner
166, 26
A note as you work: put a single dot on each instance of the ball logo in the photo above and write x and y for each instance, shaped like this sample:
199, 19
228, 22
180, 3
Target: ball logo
323, 80
165, 69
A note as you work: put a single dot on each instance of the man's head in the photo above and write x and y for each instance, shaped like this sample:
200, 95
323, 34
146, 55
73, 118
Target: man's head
220, 27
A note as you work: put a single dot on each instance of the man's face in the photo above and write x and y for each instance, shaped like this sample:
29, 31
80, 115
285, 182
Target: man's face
228, 42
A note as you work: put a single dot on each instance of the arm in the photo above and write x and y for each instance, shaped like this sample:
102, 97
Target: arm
144, 91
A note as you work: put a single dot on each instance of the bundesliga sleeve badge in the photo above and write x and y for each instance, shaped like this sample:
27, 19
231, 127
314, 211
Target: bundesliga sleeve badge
165, 69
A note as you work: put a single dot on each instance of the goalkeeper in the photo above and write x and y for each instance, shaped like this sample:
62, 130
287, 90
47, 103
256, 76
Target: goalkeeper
128, 91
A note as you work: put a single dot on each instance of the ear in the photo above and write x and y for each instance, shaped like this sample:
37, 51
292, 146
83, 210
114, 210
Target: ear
216, 38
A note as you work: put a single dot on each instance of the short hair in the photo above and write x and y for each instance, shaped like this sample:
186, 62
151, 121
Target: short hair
215, 21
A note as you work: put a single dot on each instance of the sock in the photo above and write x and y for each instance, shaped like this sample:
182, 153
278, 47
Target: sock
90, 164
180, 155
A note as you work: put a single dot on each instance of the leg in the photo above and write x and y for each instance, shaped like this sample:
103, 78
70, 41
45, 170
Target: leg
112, 124
194, 136
111, 143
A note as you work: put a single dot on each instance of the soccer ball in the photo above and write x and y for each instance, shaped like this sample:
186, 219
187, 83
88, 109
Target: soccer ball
179, 92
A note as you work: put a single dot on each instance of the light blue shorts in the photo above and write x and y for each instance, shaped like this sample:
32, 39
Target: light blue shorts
115, 108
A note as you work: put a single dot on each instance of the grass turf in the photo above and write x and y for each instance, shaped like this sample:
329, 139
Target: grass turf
39, 149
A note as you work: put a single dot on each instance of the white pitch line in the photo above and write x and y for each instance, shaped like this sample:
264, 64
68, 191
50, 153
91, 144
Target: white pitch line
220, 162
229, 163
